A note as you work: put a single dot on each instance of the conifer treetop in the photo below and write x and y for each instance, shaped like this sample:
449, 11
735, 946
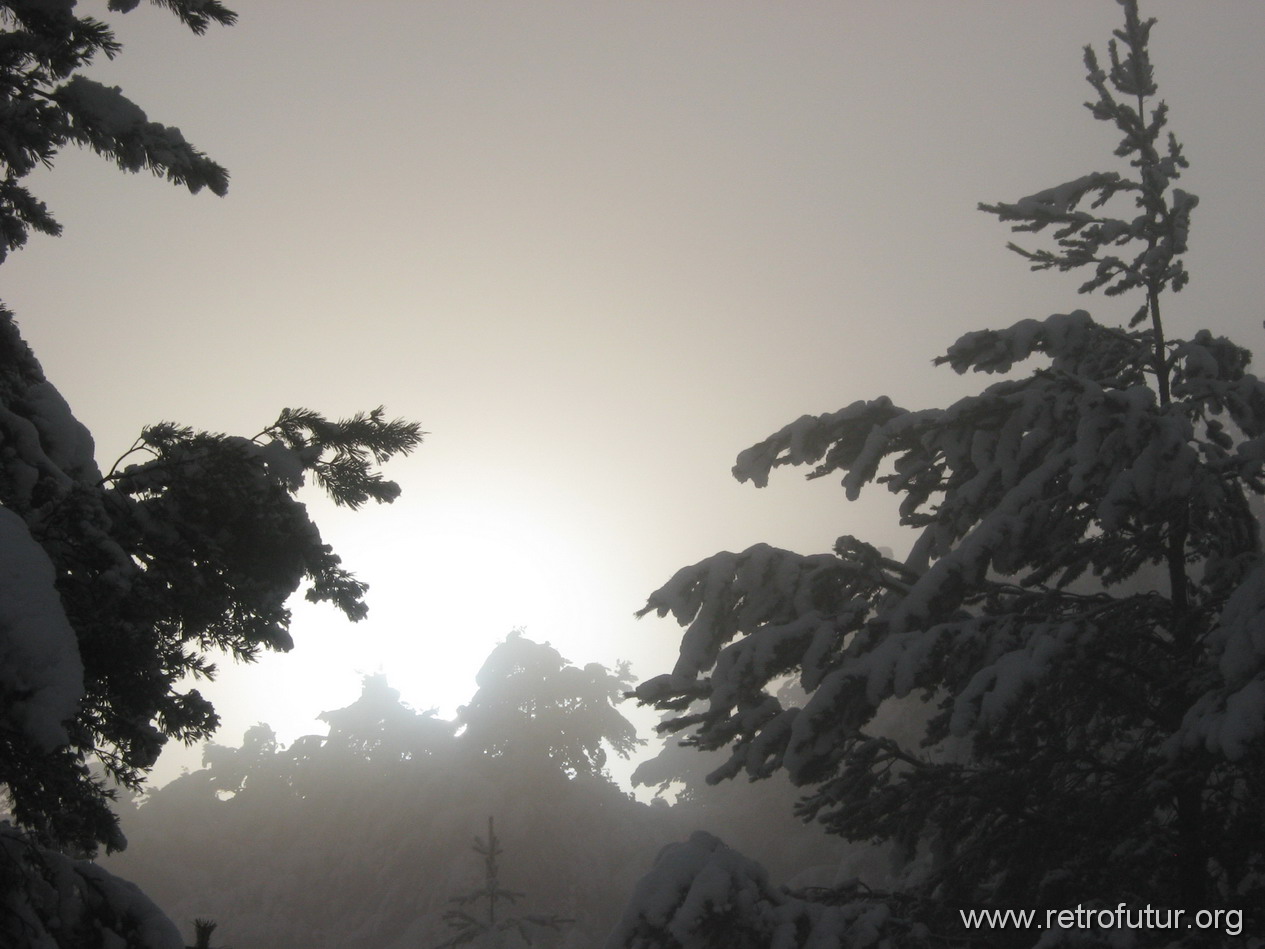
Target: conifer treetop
492, 922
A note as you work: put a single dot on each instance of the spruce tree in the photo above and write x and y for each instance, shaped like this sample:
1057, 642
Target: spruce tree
490, 924
1076, 633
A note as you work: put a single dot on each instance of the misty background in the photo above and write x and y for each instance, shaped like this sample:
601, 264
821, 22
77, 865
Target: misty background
596, 250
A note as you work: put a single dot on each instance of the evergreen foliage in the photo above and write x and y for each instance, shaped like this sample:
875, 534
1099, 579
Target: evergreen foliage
115, 587
51, 901
486, 928
45, 105
533, 706
1075, 633
388, 799
704, 895
378, 727
118, 586
194, 545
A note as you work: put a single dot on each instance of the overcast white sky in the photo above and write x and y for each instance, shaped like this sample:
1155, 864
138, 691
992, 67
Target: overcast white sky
596, 249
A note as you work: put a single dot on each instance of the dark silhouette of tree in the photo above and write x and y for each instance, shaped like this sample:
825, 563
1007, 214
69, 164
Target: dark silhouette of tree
486, 927
1079, 618
116, 586
202, 930
230, 770
252, 836
379, 727
195, 546
534, 706
45, 105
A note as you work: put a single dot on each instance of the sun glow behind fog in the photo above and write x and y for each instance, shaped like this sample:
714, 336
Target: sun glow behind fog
594, 293
438, 606
450, 576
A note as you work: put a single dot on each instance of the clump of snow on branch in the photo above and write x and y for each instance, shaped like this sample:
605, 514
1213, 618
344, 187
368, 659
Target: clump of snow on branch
51, 901
41, 674
703, 893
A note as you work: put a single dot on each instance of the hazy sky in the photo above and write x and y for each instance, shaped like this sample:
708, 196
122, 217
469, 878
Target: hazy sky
596, 249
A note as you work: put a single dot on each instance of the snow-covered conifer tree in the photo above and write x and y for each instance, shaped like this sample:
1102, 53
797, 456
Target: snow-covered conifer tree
1077, 630
115, 586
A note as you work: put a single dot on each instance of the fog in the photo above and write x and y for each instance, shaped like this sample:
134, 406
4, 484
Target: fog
595, 250
362, 833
